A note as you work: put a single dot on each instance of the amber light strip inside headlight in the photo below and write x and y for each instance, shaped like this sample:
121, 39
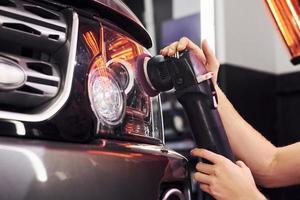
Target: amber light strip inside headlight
286, 16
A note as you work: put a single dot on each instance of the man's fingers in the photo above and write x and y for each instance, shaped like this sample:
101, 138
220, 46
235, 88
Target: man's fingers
243, 166
206, 154
185, 43
169, 50
164, 51
205, 168
209, 54
204, 187
182, 44
172, 49
240, 164
202, 178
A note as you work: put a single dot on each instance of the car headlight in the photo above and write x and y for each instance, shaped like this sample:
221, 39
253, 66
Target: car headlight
122, 108
106, 96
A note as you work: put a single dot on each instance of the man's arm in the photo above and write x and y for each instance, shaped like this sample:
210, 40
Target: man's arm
270, 166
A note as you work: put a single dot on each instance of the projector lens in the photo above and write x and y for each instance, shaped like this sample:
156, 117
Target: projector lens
107, 98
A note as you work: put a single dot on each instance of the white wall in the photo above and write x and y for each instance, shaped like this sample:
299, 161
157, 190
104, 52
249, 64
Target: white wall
246, 36
182, 8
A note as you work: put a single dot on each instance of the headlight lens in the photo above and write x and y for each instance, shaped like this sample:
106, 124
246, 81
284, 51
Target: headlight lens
123, 73
106, 96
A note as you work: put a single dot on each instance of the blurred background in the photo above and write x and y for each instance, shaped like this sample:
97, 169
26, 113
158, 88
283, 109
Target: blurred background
256, 73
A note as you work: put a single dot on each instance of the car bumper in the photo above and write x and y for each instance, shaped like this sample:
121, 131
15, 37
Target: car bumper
108, 169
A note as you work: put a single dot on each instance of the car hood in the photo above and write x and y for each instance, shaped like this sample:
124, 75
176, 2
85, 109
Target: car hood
120, 7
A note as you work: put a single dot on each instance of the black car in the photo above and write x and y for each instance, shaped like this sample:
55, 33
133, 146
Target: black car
74, 120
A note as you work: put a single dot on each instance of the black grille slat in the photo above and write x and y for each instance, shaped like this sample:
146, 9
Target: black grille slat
41, 67
21, 27
30, 90
43, 81
32, 20
53, 37
41, 12
7, 3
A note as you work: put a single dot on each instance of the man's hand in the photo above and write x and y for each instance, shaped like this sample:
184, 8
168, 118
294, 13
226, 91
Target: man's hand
223, 179
204, 54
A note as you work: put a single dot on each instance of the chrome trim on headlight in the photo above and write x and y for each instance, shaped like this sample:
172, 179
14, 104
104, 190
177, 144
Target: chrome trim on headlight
170, 194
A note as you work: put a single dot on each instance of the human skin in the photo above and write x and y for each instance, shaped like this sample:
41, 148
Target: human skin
270, 166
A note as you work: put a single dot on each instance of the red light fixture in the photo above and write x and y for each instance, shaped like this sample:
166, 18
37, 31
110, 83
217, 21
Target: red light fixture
286, 14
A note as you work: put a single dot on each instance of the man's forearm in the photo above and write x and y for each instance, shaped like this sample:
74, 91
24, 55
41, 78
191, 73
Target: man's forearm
246, 143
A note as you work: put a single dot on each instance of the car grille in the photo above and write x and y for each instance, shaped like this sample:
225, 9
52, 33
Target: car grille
39, 45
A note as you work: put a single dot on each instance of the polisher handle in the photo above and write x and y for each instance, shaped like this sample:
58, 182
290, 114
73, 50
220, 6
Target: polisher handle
204, 118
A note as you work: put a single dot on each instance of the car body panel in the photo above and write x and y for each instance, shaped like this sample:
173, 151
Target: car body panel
36, 169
